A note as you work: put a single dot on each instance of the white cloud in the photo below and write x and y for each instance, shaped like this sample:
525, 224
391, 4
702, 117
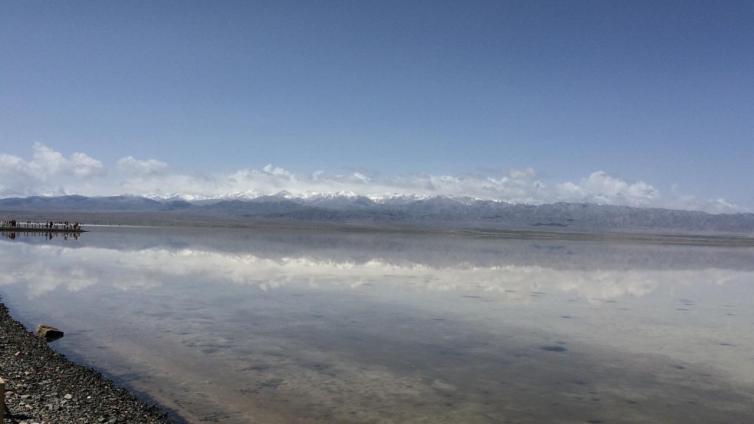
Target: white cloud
49, 172
13, 165
278, 172
84, 166
47, 162
146, 167
599, 187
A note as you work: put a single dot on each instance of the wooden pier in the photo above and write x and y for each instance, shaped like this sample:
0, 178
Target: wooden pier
13, 225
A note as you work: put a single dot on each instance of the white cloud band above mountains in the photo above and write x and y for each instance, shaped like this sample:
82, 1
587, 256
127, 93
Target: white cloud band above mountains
51, 173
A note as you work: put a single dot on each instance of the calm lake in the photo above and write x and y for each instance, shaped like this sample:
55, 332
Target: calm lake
237, 326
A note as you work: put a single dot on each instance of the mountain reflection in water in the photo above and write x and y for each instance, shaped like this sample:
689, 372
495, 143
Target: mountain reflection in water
232, 326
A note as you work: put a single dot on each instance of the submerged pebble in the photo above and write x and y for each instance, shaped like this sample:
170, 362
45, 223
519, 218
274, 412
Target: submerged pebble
553, 348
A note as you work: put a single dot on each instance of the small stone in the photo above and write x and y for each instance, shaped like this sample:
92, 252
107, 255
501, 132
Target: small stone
553, 348
48, 332
68, 396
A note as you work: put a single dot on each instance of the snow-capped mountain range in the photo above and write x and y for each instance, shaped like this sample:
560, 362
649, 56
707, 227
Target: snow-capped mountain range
438, 211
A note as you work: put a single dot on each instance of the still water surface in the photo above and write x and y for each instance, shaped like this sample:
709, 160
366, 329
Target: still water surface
298, 327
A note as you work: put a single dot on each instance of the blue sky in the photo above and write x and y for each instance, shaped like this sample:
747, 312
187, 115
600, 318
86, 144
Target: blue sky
660, 93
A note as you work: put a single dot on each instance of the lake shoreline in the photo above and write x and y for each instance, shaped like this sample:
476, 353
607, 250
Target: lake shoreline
44, 386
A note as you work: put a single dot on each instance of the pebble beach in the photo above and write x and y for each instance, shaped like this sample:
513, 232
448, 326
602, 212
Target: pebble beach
43, 386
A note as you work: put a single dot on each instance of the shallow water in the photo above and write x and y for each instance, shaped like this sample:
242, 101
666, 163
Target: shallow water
280, 326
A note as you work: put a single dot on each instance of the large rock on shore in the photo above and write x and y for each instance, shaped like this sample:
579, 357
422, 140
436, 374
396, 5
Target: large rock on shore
48, 332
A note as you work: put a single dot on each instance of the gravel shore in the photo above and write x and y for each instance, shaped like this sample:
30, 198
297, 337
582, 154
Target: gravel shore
42, 386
